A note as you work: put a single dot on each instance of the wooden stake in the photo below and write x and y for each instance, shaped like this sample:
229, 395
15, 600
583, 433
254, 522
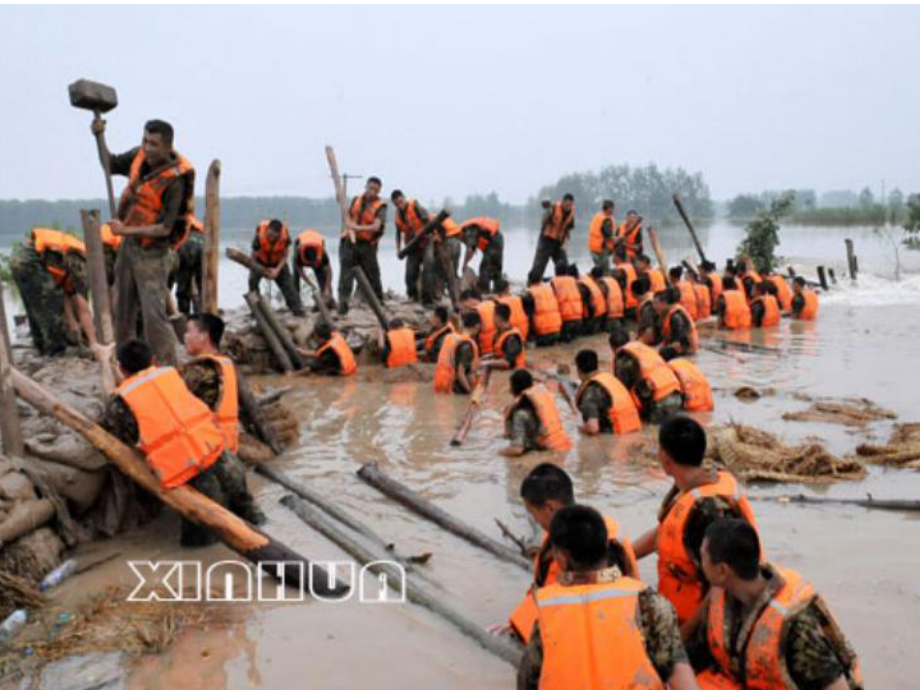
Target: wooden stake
274, 344
851, 259
283, 334
245, 260
656, 245
339, 194
371, 297
263, 429
432, 224
473, 410
683, 214
10, 427
275, 558
98, 282
210, 259
822, 278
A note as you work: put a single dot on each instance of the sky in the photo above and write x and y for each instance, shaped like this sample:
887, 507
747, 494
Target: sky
447, 101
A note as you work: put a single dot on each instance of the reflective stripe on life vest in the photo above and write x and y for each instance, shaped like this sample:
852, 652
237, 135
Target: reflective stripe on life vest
692, 334
445, 373
269, 254
347, 364
614, 295
737, 314
568, 297
227, 409
310, 239
499, 348
546, 317
402, 348
623, 415
552, 435
693, 384
653, 370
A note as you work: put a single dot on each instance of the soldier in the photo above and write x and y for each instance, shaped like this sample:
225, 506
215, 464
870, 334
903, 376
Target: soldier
188, 268
270, 248
556, 226
367, 217
485, 235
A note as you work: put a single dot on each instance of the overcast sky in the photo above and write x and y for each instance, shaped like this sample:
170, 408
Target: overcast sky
454, 100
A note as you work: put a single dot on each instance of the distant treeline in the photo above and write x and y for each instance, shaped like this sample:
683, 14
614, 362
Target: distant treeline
842, 207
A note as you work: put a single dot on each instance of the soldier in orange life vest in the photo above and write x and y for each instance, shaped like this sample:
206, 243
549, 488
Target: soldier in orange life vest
153, 215
656, 279
764, 307
186, 267
594, 304
557, 224
699, 497
600, 235
485, 235
508, 348
596, 627
310, 252
703, 296
459, 358
542, 310
713, 281
571, 306
519, 318
470, 302
153, 410
687, 295
270, 248
649, 325
367, 217
532, 420
212, 378
696, 391
411, 218
732, 307
678, 331
764, 627
804, 301
630, 234
440, 327
332, 357
397, 345
613, 298
545, 491
654, 387
606, 406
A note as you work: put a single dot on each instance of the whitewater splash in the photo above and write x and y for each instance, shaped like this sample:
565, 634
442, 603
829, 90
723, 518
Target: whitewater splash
871, 290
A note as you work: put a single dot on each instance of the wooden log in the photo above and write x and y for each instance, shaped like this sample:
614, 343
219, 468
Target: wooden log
273, 395
473, 410
210, 258
686, 218
903, 505
261, 426
371, 474
822, 278
371, 297
265, 328
10, 426
319, 300
430, 227
98, 282
275, 558
339, 194
247, 261
656, 245
851, 258
380, 563
284, 335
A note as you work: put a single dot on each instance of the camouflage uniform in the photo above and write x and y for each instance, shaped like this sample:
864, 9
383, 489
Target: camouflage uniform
491, 266
188, 271
523, 429
595, 404
657, 626
285, 280
627, 370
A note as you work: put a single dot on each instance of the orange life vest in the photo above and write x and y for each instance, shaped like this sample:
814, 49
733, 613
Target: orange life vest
628, 294
688, 298
142, 199
402, 348
693, 384
362, 213
546, 317
591, 638
45, 239
715, 289
703, 301
623, 415
656, 280
598, 303
310, 239
518, 315
546, 572
653, 370
227, 411
433, 338
177, 430
569, 297
499, 347
109, 238
597, 243
407, 220
451, 229
559, 222
552, 435
810, 309
678, 575
630, 237
692, 336
783, 291
268, 254
614, 295
486, 311
347, 364
445, 373
752, 274
771, 313
488, 227
737, 313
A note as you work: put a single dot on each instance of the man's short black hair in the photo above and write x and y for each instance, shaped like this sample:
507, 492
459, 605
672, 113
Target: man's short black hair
573, 270
607, 205
568, 197
676, 272
469, 293
161, 127
503, 310
502, 285
547, 482
471, 319
684, 440
632, 210
323, 331
800, 281
581, 534
397, 193
521, 380
586, 361
396, 323
442, 313
707, 266
134, 356
619, 337
663, 296
673, 294
729, 284
374, 179
276, 225
735, 543
641, 285
597, 273
211, 324
644, 259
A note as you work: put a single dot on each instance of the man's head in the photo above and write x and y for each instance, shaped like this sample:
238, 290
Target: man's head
597, 273
323, 331
395, 323
157, 142
572, 270
641, 285
472, 324
502, 316
310, 254
134, 356
729, 284
798, 284
469, 299
681, 444
619, 337
520, 381
675, 273
643, 263
398, 199
439, 317
730, 553
632, 217
607, 207
707, 267
662, 301
275, 227
502, 286
578, 535
568, 201
372, 187
586, 363
545, 490
761, 289
203, 333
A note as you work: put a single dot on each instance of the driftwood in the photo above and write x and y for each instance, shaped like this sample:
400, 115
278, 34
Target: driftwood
256, 416
683, 214
10, 426
265, 328
273, 395
275, 558
904, 505
473, 410
508, 534
283, 334
246, 261
381, 564
210, 258
371, 474
430, 226
371, 297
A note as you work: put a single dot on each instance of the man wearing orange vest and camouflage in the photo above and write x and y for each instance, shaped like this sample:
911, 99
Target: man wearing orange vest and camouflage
699, 497
804, 301
484, 234
597, 628
600, 236
606, 406
310, 252
153, 214
508, 349
764, 627
555, 228
458, 358
332, 357
411, 217
678, 331
441, 326
153, 410
629, 234
654, 387
532, 420
270, 248
397, 345
364, 226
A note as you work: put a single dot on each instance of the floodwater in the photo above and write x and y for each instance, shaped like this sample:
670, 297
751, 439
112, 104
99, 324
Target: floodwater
864, 562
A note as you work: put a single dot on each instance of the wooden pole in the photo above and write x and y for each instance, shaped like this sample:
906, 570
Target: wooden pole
868, 502
380, 563
432, 224
245, 260
371, 474
662, 264
274, 344
683, 214
276, 559
283, 334
98, 282
822, 277
447, 266
371, 297
106, 164
263, 429
319, 300
10, 427
851, 259
210, 258
473, 410
339, 193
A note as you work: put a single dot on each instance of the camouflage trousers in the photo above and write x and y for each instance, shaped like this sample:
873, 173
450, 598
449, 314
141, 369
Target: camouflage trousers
43, 301
490, 269
290, 289
186, 271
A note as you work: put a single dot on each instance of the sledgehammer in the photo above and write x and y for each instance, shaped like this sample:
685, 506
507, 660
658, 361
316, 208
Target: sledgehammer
99, 98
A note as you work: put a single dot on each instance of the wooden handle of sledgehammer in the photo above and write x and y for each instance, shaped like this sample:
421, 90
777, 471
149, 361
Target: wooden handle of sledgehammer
104, 159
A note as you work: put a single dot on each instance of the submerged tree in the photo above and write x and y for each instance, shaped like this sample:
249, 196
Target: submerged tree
762, 235
912, 222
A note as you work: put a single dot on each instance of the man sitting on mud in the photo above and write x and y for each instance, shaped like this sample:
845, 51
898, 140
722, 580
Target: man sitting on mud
153, 410
532, 420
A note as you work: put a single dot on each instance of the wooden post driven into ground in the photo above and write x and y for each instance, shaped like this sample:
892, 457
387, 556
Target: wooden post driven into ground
656, 245
98, 282
339, 193
368, 291
210, 257
274, 343
852, 263
683, 214
10, 428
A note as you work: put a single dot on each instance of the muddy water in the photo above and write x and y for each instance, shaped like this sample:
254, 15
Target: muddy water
865, 563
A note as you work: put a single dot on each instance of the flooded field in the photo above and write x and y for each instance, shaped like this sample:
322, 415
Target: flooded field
865, 343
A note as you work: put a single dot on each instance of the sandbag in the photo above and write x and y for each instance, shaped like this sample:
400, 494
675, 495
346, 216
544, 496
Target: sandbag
25, 517
32, 556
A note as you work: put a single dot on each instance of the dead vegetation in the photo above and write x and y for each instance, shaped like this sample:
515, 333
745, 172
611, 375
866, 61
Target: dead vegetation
849, 412
902, 449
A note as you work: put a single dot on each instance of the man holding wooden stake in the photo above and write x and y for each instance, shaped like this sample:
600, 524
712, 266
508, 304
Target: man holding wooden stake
365, 222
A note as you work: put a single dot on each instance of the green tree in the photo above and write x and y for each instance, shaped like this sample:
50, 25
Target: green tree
866, 198
744, 206
912, 223
762, 235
